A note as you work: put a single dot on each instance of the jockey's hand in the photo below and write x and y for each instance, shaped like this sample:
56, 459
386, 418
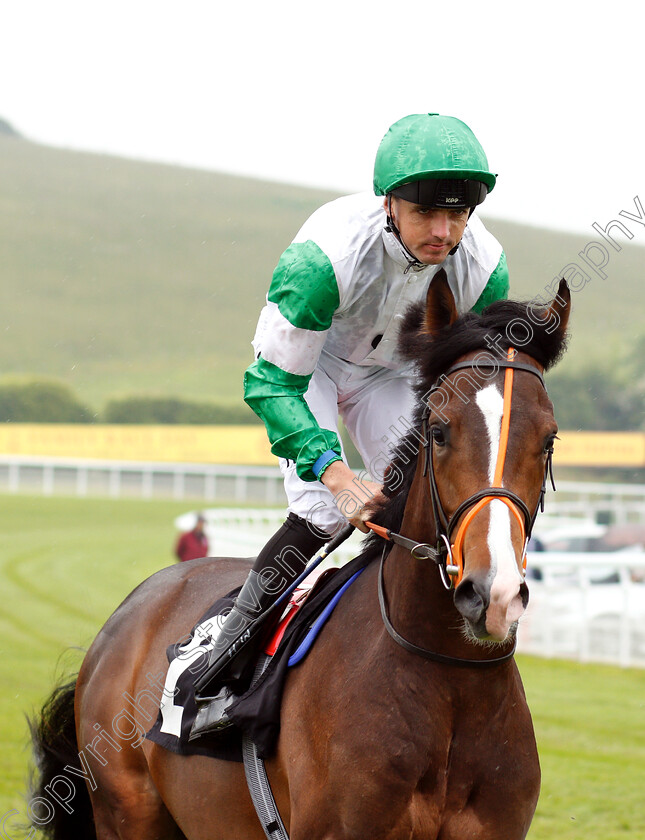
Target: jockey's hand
353, 496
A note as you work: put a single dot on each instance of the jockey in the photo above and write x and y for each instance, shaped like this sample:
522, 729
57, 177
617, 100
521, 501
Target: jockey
326, 345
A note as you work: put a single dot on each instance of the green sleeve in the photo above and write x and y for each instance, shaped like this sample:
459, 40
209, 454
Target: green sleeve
277, 398
305, 290
304, 287
496, 288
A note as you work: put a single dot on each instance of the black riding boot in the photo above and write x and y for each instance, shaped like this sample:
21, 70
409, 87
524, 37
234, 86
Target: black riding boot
279, 563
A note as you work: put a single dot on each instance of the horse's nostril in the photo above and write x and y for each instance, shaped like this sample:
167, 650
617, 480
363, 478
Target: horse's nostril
468, 601
524, 595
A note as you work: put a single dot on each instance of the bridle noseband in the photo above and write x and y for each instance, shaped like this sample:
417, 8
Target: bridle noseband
448, 552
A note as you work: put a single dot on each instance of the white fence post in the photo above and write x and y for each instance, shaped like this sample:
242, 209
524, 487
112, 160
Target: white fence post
210, 486
178, 484
48, 479
14, 476
115, 482
147, 483
82, 481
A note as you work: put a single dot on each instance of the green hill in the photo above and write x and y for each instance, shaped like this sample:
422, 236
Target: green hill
607, 315
124, 277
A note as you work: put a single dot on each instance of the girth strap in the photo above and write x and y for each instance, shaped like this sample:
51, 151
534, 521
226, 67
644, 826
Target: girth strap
258, 781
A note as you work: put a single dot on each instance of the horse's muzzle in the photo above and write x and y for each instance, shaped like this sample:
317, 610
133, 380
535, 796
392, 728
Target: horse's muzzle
490, 618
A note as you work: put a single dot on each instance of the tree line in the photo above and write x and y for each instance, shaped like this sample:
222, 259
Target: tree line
50, 401
598, 398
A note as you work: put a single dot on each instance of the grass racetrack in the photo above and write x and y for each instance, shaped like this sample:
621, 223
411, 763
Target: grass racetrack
65, 564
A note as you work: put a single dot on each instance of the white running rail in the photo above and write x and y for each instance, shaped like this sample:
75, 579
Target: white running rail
589, 607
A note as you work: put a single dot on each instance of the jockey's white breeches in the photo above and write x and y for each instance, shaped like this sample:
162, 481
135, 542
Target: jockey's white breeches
376, 406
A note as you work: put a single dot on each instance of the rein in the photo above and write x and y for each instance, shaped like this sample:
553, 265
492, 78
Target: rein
448, 553
425, 653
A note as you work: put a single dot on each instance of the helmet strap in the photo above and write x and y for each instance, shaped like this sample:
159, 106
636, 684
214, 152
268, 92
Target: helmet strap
391, 227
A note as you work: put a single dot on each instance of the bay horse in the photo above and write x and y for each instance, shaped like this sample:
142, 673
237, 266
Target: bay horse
408, 717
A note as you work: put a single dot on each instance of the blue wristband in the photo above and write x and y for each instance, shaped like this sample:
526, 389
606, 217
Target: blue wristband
325, 459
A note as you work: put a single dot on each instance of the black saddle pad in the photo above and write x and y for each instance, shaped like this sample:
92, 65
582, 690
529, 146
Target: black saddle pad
257, 711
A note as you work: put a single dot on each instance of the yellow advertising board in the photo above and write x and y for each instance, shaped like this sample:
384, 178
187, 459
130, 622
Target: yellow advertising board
249, 444
194, 444
600, 449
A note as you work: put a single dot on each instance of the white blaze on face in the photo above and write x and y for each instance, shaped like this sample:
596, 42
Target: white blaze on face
505, 602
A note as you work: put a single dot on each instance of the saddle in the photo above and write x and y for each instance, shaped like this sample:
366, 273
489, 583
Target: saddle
256, 712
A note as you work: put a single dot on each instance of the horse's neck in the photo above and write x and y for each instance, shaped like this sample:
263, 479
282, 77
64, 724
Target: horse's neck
419, 603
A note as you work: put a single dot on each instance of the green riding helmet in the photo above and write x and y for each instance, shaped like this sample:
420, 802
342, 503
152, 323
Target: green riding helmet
434, 160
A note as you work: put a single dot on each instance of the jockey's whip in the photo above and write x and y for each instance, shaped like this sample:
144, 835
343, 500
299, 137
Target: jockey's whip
344, 534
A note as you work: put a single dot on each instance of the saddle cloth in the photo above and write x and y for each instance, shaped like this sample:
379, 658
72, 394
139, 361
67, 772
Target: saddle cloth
257, 710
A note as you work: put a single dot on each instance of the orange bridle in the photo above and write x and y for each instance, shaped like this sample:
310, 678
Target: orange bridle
458, 545
448, 553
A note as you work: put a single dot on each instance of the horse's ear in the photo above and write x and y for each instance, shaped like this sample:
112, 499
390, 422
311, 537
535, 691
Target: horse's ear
441, 309
559, 309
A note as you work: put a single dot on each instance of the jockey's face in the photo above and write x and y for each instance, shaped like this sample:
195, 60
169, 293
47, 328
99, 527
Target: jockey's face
429, 233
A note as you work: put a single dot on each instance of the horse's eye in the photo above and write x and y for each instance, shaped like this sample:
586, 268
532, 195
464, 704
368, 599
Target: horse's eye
438, 435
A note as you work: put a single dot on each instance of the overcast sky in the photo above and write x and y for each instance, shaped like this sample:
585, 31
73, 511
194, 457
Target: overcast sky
302, 92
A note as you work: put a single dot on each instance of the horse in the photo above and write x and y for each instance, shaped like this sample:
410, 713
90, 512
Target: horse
408, 718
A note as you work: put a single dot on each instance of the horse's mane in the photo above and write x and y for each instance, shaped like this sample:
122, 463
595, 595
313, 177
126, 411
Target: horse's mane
433, 355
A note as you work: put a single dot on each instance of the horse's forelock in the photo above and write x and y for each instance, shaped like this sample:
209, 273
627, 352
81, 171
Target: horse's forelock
502, 324
527, 328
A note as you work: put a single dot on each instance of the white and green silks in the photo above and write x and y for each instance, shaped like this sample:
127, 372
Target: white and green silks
342, 287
